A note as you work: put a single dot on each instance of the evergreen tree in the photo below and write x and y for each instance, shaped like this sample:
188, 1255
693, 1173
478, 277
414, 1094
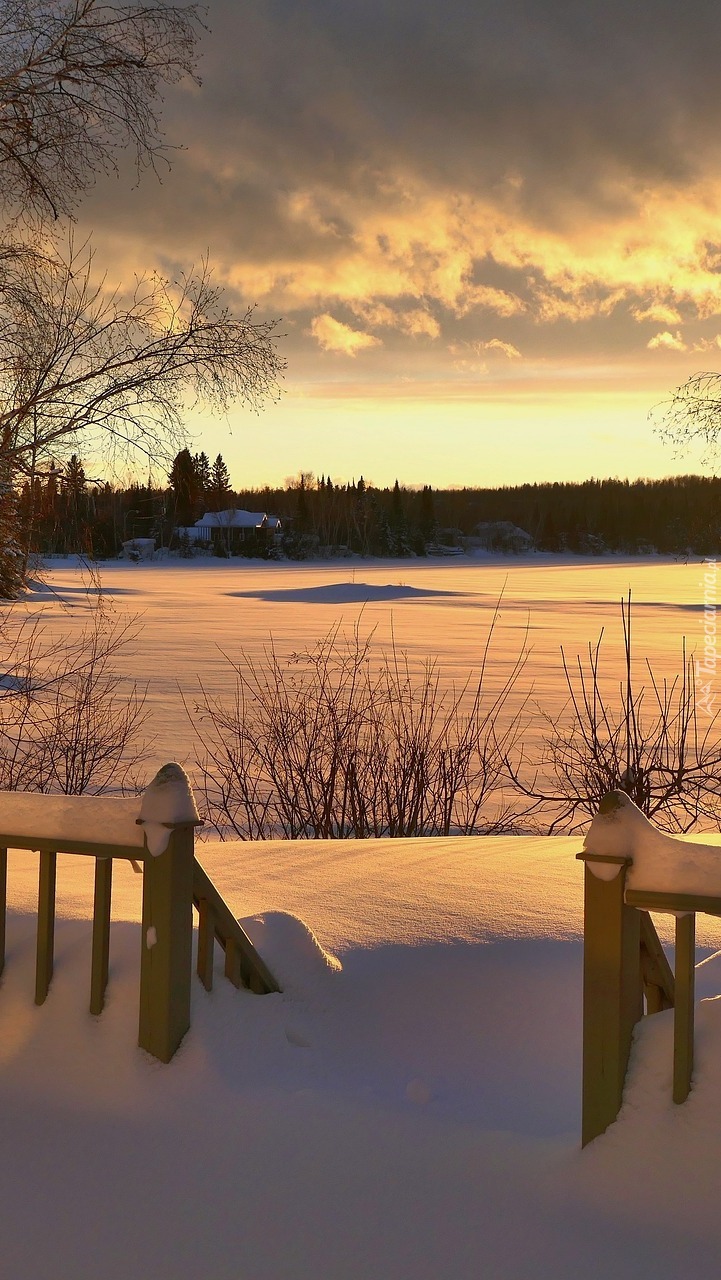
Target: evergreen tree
219, 489
75, 476
74, 532
202, 471
427, 515
400, 544
11, 557
302, 510
183, 479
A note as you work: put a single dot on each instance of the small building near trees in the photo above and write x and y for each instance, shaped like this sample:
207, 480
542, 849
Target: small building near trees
501, 535
228, 531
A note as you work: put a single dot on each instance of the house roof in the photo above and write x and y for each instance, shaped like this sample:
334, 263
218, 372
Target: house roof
231, 519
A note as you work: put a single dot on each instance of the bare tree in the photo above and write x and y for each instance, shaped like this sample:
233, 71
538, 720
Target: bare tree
78, 360
79, 82
693, 413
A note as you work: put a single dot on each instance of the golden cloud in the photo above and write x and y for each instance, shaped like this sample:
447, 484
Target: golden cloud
659, 312
333, 335
666, 341
505, 348
404, 256
416, 322
414, 242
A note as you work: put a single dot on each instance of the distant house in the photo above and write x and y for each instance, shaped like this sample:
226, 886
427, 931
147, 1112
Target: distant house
138, 549
228, 529
501, 535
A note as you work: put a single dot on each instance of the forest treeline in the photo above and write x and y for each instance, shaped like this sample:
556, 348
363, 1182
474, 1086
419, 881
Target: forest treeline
66, 511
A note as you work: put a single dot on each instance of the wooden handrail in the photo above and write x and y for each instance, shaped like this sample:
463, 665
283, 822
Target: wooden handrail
86, 848
709, 904
173, 882
625, 961
243, 964
658, 980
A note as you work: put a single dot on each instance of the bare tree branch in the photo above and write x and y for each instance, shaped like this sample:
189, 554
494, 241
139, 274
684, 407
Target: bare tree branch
693, 414
76, 359
79, 82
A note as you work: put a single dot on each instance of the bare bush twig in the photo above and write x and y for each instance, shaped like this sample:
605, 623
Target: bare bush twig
68, 721
332, 744
649, 741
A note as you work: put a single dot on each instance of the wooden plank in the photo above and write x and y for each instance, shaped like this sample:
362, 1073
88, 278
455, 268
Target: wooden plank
3, 903
673, 901
233, 963
46, 926
684, 1007
612, 998
657, 973
614, 859
86, 848
206, 943
101, 933
227, 927
167, 947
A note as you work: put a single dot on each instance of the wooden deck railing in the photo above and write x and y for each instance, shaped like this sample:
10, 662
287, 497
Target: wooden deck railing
626, 974
173, 883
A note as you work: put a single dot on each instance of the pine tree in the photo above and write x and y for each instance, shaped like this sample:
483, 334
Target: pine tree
400, 545
219, 488
73, 534
75, 476
11, 557
427, 515
302, 513
184, 484
201, 462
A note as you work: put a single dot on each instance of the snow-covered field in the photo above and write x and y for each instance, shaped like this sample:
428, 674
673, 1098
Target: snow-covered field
408, 1110
193, 611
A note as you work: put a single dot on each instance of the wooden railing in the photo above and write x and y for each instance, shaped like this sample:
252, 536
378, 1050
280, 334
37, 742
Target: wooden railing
626, 974
173, 883
244, 967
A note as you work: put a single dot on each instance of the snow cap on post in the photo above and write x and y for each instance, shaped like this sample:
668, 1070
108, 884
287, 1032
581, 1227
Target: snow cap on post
167, 801
615, 826
657, 862
613, 834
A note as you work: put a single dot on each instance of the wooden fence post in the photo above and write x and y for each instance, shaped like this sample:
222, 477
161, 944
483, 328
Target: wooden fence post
206, 942
46, 926
684, 1009
3, 903
612, 990
101, 933
167, 945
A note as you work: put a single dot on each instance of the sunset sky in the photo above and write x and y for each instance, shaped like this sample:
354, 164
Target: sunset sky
491, 229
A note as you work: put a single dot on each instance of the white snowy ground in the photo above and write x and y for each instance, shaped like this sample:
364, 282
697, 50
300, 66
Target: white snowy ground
410, 1116
189, 611
413, 1115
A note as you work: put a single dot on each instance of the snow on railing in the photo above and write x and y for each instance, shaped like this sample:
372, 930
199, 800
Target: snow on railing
157, 830
632, 868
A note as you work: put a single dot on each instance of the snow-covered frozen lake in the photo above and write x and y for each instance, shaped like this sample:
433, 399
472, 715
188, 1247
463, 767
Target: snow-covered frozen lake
192, 612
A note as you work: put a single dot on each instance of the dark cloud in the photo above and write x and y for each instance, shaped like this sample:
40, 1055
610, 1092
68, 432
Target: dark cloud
458, 91
466, 90
319, 127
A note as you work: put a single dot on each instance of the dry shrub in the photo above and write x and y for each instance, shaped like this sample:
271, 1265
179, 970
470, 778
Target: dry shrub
648, 738
334, 743
69, 722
